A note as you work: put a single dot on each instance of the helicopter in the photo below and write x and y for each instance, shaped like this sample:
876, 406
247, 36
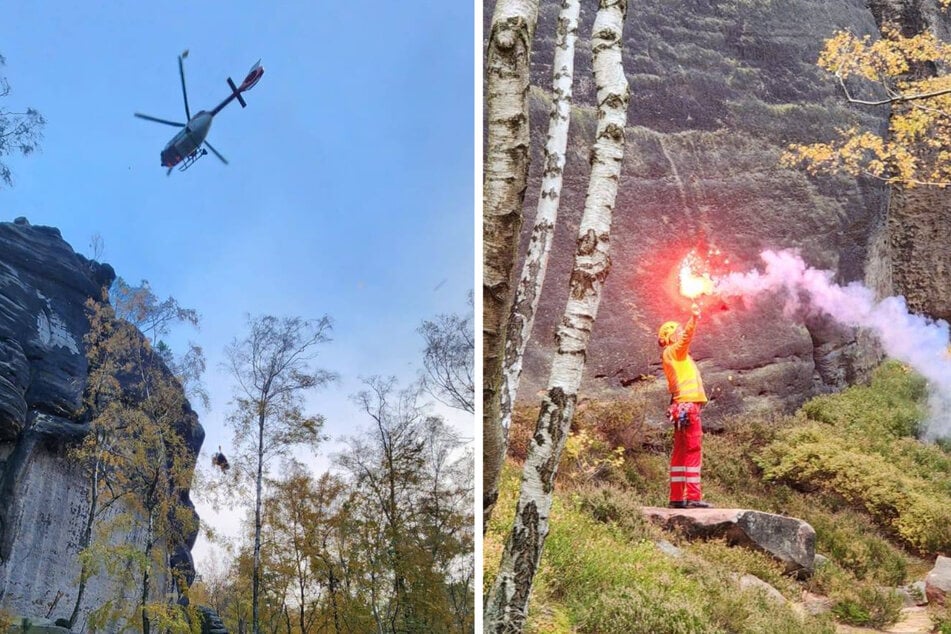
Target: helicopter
186, 147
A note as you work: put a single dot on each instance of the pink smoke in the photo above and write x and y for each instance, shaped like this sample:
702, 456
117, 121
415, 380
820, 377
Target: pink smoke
913, 339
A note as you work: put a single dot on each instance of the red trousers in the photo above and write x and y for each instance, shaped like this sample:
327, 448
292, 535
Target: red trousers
687, 456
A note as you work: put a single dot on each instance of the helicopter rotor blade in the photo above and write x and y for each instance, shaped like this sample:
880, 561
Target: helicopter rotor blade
181, 72
157, 120
216, 153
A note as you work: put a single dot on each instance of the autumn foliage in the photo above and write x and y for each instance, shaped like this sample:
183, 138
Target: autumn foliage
906, 73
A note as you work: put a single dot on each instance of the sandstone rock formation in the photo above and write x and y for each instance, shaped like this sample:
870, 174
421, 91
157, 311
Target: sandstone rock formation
43, 288
718, 90
787, 539
210, 621
938, 581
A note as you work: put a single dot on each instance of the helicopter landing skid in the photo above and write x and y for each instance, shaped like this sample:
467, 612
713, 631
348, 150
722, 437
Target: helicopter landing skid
190, 160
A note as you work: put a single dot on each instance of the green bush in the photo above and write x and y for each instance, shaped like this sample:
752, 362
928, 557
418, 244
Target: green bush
583, 559
815, 458
851, 541
856, 602
747, 561
942, 621
609, 505
891, 406
620, 423
645, 474
868, 606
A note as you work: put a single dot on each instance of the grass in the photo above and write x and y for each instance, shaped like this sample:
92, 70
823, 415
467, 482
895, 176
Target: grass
602, 572
849, 464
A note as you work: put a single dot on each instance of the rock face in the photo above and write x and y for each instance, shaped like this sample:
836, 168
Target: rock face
210, 621
938, 581
43, 289
718, 90
789, 540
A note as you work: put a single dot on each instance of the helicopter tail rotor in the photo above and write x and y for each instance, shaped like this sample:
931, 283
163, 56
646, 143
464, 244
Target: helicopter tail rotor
237, 93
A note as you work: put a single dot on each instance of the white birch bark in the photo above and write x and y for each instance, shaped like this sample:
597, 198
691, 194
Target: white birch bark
506, 176
532, 279
507, 604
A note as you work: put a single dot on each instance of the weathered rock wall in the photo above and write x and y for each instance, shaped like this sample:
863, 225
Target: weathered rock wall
718, 90
919, 220
41, 573
44, 286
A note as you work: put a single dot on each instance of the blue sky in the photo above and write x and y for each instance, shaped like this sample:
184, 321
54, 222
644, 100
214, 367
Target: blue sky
350, 186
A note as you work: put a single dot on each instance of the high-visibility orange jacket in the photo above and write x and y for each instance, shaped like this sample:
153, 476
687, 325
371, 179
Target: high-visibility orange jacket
683, 378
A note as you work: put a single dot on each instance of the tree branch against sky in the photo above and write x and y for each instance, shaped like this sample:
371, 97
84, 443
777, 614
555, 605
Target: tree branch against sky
405, 474
271, 368
449, 359
20, 130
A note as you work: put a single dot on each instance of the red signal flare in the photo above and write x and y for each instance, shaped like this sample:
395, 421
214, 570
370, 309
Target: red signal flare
695, 279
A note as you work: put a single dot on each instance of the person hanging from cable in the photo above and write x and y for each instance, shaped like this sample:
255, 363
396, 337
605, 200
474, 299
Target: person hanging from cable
686, 400
219, 460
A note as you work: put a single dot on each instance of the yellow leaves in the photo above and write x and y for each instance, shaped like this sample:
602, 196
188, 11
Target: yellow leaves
590, 457
846, 55
915, 149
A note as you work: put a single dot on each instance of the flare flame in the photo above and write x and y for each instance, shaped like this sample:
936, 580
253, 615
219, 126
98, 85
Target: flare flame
694, 280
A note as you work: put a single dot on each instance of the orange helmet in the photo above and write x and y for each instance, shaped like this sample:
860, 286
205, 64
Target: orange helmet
666, 331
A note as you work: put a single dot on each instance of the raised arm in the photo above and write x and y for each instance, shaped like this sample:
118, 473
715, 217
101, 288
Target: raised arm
682, 347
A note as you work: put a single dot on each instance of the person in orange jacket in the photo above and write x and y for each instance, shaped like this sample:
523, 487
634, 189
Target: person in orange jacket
686, 400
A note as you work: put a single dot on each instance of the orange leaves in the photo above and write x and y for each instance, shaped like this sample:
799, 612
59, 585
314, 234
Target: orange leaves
845, 55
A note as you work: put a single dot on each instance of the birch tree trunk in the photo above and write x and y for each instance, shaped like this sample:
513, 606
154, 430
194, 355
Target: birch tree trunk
507, 604
532, 279
506, 178
258, 492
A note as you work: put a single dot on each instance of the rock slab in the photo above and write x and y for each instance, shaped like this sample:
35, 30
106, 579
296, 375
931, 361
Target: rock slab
938, 581
787, 539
